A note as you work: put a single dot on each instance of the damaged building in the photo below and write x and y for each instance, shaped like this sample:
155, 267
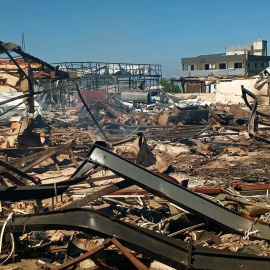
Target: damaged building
218, 77
237, 60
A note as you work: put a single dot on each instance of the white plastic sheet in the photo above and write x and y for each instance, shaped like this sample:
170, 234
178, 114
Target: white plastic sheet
18, 111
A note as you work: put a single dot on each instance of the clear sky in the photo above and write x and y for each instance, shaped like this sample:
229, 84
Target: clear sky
134, 31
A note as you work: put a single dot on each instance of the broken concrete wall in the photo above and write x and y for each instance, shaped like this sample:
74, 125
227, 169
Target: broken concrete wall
231, 91
11, 80
211, 97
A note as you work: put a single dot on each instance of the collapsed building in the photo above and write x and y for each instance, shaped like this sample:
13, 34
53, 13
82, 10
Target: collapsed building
92, 180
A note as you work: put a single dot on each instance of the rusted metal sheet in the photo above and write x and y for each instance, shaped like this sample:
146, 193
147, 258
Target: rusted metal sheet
139, 265
89, 111
201, 189
91, 97
11, 177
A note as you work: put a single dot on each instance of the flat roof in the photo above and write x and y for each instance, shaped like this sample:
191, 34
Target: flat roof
222, 57
210, 58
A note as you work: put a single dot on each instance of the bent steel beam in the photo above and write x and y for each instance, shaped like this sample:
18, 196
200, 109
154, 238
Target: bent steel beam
17, 171
179, 195
253, 120
150, 243
246, 92
175, 253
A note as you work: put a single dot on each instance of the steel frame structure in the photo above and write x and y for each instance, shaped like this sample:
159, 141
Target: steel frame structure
98, 74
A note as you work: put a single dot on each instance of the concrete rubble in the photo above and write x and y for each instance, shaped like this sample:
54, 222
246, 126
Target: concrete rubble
89, 181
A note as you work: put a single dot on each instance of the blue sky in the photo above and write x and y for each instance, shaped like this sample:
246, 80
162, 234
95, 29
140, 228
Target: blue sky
133, 31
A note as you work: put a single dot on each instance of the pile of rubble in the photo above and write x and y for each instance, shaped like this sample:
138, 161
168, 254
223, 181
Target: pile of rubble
185, 196
108, 186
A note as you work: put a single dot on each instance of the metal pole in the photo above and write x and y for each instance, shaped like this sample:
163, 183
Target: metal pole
87, 108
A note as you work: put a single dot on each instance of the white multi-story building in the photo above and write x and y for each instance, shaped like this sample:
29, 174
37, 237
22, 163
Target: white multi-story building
238, 60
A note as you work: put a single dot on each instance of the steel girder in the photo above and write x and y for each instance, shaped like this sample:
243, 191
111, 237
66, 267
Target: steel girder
253, 120
147, 242
37, 192
177, 254
246, 93
181, 196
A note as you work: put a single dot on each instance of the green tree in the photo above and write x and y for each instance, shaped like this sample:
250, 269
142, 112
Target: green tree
170, 87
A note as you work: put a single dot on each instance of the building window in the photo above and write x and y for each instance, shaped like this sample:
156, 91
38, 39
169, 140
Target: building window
256, 65
238, 65
191, 67
206, 66
262, 65
248, 65
222, 65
